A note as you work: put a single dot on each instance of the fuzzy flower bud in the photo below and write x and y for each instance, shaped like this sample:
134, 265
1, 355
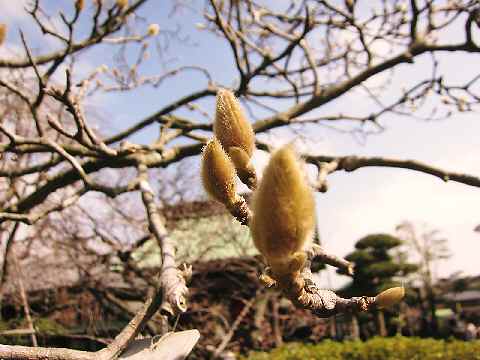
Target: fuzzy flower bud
3, 33
236, 135
390, 297
102, 68
401, 7
218, 174
350, 4
79, 4
284, 213
153, 29
122, 4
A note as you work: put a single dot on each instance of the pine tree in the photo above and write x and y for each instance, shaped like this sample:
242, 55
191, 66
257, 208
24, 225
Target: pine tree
376, 268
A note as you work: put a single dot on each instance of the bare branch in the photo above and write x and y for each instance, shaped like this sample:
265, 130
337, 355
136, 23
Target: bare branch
172, 280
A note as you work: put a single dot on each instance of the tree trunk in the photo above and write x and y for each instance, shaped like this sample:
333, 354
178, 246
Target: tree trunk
401, 319
333, 327
23, 296
277, 331
433, 311
382, 330
355, 329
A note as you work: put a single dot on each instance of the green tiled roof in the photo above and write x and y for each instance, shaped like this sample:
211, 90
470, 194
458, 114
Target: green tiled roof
205, 238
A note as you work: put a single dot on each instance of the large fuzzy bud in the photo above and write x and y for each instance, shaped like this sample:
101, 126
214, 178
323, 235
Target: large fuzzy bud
284, 213
390, 297
236, 135
218, 174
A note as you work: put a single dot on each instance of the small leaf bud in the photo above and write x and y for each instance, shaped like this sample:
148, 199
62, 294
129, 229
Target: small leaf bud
153, 29
390, 297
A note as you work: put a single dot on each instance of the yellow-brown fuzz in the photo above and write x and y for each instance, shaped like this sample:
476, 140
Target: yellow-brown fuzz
79, 4
218, 174
3, 33
390, 297
122, 4
245, 169
231, 127
236, 135
284, 213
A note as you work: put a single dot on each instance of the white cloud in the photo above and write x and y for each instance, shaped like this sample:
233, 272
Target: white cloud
402, 195
14, 10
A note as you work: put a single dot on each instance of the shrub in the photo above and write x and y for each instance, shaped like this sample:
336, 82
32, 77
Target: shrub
396, 348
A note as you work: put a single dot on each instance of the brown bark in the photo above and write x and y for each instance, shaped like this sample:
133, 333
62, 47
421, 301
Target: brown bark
301, 289
246, 309
332, 326
355, 329
277, 332
14, 352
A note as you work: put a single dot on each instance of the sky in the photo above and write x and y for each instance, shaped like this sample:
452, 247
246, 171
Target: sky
366, 201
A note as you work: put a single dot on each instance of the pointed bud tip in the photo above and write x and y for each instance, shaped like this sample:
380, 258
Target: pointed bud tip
79, 4
231, 127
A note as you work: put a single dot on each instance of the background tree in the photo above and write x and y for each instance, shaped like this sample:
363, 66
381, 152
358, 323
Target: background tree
63, 168
430, 249
376, 268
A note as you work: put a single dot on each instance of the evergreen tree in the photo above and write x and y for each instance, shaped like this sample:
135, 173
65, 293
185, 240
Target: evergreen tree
376, 268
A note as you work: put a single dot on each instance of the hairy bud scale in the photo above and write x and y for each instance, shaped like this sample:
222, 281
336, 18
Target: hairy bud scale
284, 212
236, 135
218, 174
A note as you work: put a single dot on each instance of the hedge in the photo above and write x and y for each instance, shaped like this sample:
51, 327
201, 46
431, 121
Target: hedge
396, 348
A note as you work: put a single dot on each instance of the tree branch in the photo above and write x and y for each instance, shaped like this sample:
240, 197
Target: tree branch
172, 280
